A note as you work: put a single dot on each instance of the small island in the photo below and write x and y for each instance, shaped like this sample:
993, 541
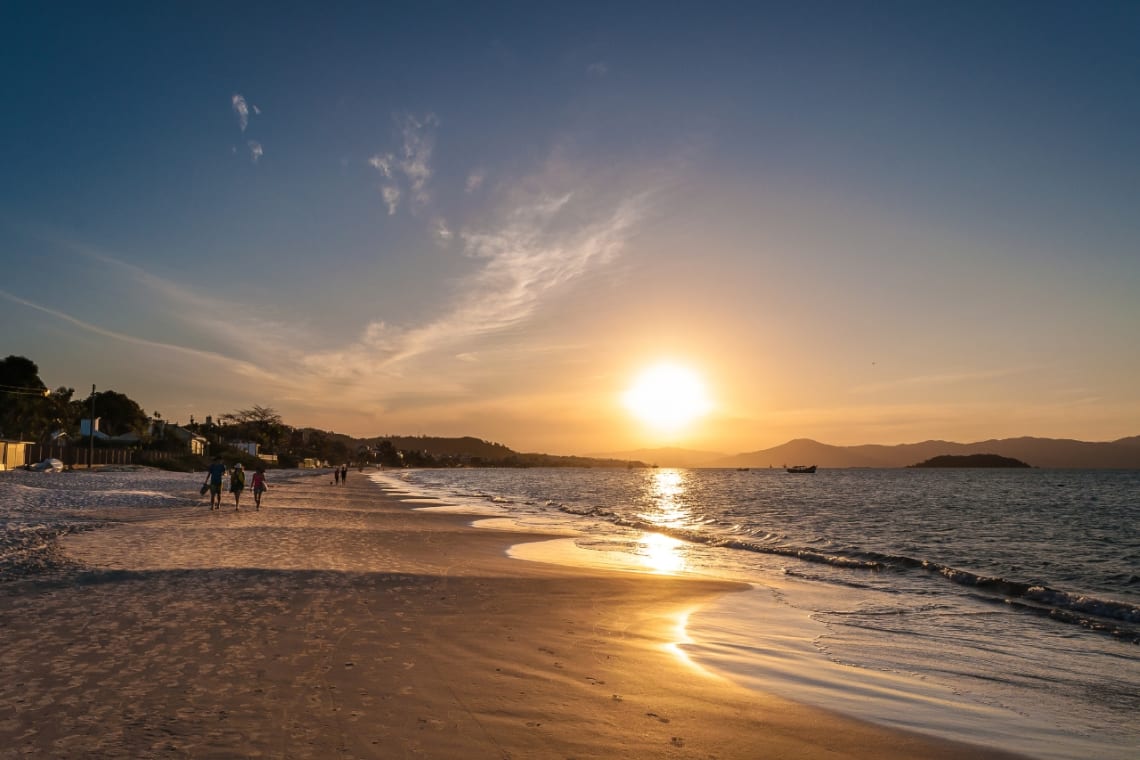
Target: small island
971, 460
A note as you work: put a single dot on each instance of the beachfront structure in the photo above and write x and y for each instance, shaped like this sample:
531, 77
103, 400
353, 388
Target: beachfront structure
248, 447
13, 454
126, 439
195, 444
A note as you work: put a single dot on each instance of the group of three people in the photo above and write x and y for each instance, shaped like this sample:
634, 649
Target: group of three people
217, 471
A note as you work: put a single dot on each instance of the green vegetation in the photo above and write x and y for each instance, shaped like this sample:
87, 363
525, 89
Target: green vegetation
29, 412
28, 409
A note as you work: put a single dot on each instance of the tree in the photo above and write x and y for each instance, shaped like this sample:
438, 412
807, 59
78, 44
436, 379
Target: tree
119, 414
24, 409
260, 423
387, 455
62, 412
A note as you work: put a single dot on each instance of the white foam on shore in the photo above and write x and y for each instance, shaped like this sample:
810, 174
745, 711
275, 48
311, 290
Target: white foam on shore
761, 641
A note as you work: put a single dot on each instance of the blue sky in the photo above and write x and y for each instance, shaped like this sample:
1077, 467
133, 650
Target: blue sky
858, 222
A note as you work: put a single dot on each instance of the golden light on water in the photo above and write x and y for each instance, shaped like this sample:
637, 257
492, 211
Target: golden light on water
667, 397
681, 636
660, 553
666, 490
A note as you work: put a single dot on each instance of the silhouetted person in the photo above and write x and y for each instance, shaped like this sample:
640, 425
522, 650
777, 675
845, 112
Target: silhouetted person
214, 474
237, 484
259, 486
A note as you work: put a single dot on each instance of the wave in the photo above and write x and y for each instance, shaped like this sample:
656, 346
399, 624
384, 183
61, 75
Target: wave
1091, 612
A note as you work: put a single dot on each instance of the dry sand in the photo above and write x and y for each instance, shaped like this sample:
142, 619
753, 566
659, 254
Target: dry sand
337, 623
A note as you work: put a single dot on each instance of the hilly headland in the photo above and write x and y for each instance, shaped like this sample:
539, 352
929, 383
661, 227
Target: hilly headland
1123, 453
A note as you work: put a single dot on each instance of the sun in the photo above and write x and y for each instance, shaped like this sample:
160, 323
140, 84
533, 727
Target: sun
667, 397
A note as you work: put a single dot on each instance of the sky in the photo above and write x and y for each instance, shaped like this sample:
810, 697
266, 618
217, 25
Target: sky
880, 222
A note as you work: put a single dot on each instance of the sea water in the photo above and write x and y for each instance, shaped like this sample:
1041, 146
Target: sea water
994, 606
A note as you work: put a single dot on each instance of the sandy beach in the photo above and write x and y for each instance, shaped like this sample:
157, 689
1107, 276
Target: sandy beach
337, 622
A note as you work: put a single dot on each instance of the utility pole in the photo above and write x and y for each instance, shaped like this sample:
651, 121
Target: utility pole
91, 430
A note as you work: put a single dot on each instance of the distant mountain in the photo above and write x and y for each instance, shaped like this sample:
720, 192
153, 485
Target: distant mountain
804, 451
1037, 452
666, 457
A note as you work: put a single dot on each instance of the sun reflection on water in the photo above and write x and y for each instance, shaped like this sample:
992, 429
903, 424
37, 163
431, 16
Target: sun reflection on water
666, 489
660, 553
681, 638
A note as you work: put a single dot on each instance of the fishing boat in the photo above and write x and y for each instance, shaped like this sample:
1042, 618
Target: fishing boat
801, 468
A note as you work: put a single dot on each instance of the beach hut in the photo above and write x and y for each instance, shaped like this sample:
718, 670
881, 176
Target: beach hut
13, 454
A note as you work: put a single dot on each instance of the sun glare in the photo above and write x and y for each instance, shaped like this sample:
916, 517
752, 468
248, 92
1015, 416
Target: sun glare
667, 397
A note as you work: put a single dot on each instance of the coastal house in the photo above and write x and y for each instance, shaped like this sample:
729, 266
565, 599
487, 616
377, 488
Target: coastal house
124, 439
194, 443
85, 428
248, 447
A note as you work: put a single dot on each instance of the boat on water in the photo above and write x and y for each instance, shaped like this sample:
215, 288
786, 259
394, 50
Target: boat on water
802, 468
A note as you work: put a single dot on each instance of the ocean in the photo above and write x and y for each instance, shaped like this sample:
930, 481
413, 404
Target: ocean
995, 606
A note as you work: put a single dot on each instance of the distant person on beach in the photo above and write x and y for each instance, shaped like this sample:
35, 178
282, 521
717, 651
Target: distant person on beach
214, 474
237, 484
336, 476
344, 473
259, 486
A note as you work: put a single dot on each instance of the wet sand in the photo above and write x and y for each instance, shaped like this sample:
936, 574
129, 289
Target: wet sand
336, 622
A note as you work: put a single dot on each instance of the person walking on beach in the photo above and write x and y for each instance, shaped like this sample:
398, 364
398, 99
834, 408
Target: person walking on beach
237, 484
336, 476
344, 473
259, 487
214, 475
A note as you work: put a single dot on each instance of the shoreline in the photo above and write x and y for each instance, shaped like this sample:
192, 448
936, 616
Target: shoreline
339, 621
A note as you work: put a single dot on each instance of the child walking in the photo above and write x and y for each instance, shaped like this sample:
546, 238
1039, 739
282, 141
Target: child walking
259, 487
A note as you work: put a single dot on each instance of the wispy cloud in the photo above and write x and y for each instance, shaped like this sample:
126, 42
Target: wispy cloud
475, 180
119, 336
391, 195
598, 69
255, 150
244, 338
442, 231
241, 108
383, 163
549, 231
419, 142
537, 247
411, 166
